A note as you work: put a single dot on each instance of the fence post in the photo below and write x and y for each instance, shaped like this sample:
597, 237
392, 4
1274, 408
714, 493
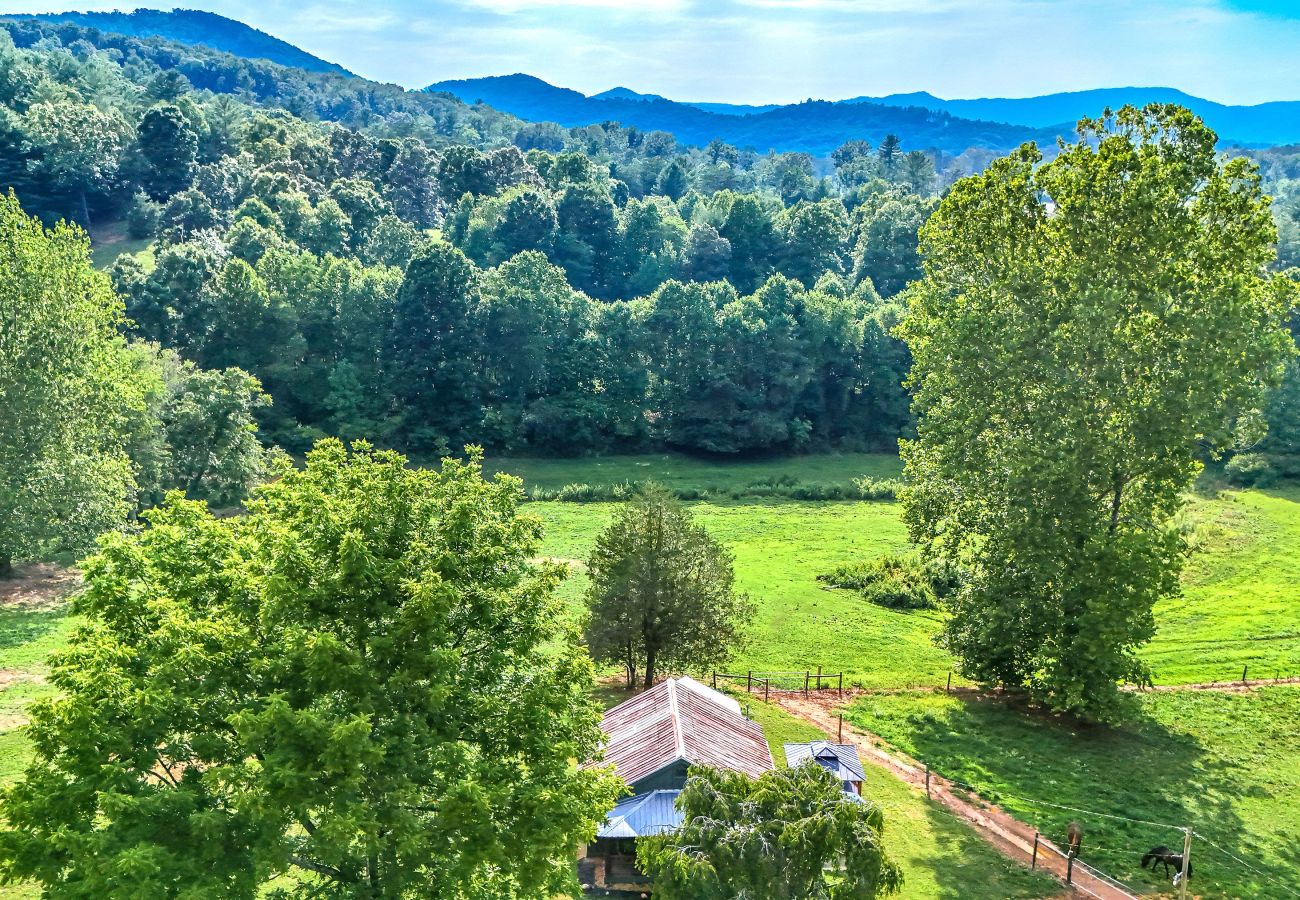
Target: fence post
819, 678
806, 675
1069, 869
927, 782
1243, 674
715, 681
948, 689
839, 735
841, 694
1187, 864
1033, 861
749, 681
767, 683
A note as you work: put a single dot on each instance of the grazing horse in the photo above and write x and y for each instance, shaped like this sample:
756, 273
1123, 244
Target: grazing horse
1162, 854
1074, 838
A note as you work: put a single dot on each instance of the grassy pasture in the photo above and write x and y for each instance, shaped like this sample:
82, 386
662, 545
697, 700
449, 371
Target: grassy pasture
676, 471
940, 856
1225, 764
1240, 606
110, 240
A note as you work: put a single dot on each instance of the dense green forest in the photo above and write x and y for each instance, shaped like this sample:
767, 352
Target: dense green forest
604, 289
402, 266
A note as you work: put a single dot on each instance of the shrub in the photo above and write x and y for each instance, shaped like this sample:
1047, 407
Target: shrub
142, 216
1250, 470
782, 486
895, 581
869, 488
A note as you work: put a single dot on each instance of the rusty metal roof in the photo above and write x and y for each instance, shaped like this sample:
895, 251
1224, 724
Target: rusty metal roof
681, 719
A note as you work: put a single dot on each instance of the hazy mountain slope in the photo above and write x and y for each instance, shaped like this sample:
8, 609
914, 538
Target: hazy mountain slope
192, 26
1264, 124
815, 127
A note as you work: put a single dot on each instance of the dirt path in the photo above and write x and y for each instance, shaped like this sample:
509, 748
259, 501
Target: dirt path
37, 586
1232, 687
1007, 834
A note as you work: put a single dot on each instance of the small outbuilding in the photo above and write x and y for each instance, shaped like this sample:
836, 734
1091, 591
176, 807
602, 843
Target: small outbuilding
841, 760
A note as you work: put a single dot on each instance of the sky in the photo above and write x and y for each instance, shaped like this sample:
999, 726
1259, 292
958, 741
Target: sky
781, 51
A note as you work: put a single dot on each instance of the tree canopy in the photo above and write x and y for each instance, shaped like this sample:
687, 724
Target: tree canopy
363, 685
1086, 331
661, 594
792, 834
66, 391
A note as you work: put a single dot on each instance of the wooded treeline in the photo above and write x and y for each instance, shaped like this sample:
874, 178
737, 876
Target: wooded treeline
578, 290
427, 296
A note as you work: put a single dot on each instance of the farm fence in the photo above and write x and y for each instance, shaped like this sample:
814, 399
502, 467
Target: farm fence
805, 682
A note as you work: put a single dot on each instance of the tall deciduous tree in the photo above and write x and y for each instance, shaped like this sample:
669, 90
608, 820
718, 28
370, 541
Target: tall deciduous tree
64, 400
1086, 331
661, 594
365, 682
792, 834
169, 149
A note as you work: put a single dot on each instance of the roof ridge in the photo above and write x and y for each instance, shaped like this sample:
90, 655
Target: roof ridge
674, 716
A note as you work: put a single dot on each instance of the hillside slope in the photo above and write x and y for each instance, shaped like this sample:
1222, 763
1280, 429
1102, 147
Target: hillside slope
192, 26
1265, 124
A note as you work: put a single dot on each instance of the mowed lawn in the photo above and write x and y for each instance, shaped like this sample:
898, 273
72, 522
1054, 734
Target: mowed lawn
1225, 764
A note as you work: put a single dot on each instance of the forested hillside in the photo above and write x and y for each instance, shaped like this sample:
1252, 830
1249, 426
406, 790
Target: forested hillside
402, 266
193, 26
558, 290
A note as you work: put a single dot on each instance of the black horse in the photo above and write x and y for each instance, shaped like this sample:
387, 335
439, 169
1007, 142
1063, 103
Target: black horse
1162, 854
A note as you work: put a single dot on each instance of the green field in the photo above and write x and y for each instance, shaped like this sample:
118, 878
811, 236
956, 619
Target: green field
1240, 605
1226, 765
1226, 761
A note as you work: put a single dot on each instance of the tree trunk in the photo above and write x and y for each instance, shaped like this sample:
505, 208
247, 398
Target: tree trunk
6, 564
85, 210
649, 667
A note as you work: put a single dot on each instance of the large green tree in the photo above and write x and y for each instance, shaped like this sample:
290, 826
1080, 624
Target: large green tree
1086, 331
365, 684
64, 399
793, 834
168, 149
661, 594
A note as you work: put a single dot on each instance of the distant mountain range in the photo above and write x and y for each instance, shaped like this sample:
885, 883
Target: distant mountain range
192, 26
1265, 124
816, 127
920, 119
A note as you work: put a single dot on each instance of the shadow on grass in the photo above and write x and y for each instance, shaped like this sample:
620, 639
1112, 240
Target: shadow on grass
1156, 769
20, 626
964, 865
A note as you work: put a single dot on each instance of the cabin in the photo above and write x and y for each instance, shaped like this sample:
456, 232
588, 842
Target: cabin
652, 740
841, 760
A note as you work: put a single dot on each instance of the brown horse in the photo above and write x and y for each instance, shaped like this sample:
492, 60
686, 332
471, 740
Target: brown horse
1074, 838
1163, 855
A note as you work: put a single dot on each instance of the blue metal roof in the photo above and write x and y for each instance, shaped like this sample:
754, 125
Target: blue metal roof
841, 760
642, 815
